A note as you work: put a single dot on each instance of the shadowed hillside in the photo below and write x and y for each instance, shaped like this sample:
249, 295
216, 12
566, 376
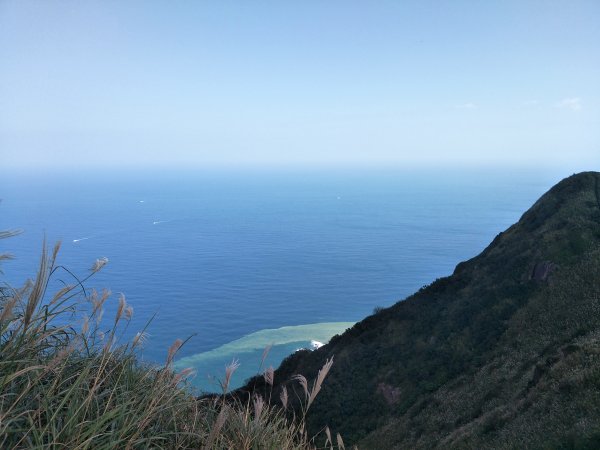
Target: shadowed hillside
504, 353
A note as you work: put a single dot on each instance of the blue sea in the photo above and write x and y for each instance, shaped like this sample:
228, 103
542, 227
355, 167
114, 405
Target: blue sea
238, 260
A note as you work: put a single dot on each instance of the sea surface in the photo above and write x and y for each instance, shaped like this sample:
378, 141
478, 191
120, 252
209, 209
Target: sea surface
240, 260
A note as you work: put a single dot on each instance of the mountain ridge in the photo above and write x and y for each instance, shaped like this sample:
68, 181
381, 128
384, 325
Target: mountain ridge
458, 364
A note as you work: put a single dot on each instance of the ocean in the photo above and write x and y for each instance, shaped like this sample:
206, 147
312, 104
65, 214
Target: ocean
238, 260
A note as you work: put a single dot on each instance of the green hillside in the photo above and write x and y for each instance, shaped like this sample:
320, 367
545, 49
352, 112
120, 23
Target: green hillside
504, 353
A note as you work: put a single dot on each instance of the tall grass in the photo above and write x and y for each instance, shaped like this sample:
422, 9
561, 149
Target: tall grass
66, 383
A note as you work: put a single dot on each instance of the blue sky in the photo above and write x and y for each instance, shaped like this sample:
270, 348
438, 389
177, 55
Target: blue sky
304, 83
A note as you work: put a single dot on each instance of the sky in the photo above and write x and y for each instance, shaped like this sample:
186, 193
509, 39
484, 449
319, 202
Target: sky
299, 83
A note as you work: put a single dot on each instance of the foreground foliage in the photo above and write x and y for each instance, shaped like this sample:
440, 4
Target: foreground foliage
65, 382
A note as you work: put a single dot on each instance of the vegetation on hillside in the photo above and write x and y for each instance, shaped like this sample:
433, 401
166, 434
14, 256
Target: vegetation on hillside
505, 353
66, 382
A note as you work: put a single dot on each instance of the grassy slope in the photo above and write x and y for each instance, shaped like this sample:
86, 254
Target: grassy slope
67, 383
485, 358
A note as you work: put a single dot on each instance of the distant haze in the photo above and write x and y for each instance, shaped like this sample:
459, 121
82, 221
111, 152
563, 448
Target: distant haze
305, 83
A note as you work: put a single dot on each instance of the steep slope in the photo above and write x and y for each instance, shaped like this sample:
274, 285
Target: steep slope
505, 353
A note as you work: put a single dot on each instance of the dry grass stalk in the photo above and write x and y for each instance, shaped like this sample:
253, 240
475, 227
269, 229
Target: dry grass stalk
59, 358
6, 256
269, 375
185, 373
121, 308
340, 442
98, 301
86, 325
283, 396
37, 289
99, 316
264, 354
7, 309
61, 293
319, 381
55, 251
303, 382
259, 404
108, 347
5, 234
229, 370
99, 264
328, 436
173, 350
217, 426
128, 312
140, 338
